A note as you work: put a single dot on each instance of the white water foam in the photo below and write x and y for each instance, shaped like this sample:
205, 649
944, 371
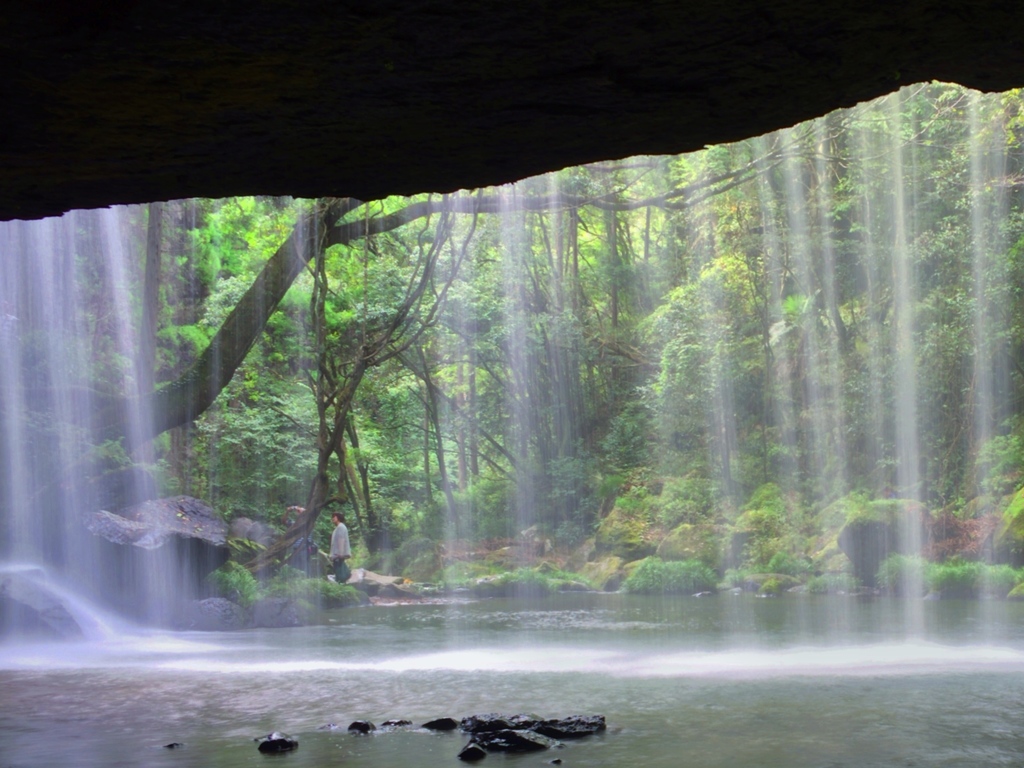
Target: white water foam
842, 661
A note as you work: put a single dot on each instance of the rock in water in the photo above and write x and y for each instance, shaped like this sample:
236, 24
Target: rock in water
361, 727
472, 752
277, 742
572, 727
496, 722
441, 724
513, 741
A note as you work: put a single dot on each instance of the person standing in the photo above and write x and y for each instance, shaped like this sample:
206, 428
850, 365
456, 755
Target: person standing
341, 551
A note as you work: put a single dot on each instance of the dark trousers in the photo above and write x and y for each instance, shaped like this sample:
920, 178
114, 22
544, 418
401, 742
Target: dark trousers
342, 573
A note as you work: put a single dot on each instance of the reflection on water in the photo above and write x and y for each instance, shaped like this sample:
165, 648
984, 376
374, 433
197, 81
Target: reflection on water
730, 681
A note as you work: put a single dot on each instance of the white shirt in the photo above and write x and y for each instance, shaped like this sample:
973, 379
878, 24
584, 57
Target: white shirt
339, 542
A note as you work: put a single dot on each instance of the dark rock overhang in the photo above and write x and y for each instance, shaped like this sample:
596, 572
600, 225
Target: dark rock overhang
130, 101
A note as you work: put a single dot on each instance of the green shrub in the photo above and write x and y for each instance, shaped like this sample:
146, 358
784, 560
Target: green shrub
685, 500
832, 584
295, 585
789, 564
1000, 462
771, 586
901, 574
234, 582
999, 580
653, 576
955, 577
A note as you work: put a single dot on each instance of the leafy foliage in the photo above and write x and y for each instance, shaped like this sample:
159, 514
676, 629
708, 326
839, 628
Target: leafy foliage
654, 576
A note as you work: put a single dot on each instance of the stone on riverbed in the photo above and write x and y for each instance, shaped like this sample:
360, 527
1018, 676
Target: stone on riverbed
496, 722
275, 743
513, 741
572, 727
472, 752
441, 724
362, 727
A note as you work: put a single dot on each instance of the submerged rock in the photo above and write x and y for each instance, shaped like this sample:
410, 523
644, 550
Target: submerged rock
395, 723
275, 743
361, 727
513, 741
572, 727
472, 752
495, 722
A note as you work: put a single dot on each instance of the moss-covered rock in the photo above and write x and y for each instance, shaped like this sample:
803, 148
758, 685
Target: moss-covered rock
875, 530
606, 573
1017, 593
771, 583
625, 532
692, 542
1011, 533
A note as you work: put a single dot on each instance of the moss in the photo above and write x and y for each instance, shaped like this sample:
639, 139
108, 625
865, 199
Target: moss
625, 531
1017, 593
1012, 533
605, 574
524, 582
692, 542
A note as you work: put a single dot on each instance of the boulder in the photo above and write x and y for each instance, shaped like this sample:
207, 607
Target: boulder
624, 533
882, 528
29, 607
605, 573
495, 722
157, 552
513, 741
276, 612
572, 727
251, 530
441, 724
361, 727
276, 743
472, 752
214, 614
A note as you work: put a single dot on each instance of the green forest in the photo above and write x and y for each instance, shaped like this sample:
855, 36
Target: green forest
798, 359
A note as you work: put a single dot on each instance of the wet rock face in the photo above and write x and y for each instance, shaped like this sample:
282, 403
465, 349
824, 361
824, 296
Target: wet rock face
124, 102
214, 614
27, 607
177, 540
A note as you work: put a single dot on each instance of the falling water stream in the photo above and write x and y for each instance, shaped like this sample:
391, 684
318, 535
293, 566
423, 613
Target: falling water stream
728, 680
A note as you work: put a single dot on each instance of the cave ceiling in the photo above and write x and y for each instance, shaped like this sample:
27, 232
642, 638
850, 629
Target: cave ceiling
122, 102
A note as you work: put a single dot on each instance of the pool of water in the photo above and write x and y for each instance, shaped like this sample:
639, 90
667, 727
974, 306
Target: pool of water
718, 681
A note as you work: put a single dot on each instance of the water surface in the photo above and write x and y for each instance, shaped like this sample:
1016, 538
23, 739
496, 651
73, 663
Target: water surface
721, 681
